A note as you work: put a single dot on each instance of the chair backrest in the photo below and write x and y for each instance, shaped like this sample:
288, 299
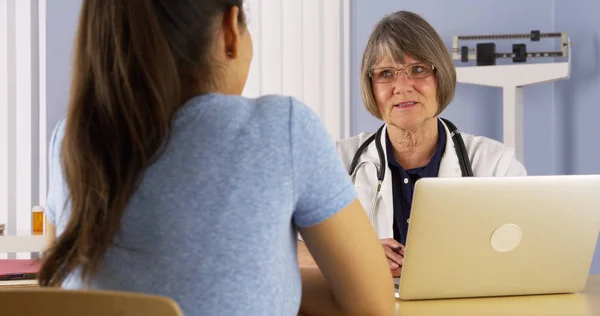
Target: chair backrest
55, 302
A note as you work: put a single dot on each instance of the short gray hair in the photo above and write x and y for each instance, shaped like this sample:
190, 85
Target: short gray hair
400, 33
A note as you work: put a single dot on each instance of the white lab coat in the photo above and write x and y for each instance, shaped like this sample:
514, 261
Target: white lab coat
488, 158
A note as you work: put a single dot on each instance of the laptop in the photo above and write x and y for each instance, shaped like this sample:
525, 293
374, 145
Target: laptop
482, 237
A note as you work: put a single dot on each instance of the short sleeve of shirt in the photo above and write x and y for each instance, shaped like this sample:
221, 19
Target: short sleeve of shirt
322, 185
55, 198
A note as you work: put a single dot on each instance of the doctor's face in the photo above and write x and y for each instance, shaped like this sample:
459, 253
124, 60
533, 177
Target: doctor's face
405, 103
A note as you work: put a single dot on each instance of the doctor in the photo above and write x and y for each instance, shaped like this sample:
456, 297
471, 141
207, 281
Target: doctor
407, 80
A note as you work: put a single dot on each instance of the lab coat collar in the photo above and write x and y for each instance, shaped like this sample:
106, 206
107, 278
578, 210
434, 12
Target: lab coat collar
449, 165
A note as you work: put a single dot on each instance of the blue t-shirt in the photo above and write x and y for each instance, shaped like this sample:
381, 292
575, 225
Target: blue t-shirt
212, 224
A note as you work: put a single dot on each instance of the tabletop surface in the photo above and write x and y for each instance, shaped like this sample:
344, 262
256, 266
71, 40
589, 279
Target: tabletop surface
584, 303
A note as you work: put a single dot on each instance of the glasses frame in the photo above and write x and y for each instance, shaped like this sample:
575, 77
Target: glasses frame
370, 73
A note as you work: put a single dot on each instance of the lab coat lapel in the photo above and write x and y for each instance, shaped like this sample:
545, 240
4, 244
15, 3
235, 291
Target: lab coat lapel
449, 166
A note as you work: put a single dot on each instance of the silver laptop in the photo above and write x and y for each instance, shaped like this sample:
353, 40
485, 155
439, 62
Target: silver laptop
477, 237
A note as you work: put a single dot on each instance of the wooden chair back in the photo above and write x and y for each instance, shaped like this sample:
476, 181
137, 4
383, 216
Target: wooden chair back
60, 302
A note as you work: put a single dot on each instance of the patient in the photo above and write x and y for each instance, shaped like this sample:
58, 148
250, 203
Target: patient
164, 180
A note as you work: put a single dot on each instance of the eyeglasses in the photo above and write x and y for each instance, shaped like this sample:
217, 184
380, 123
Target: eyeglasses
391, 74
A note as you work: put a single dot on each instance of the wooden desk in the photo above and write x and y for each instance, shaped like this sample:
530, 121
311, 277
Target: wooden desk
581, 304
586, 303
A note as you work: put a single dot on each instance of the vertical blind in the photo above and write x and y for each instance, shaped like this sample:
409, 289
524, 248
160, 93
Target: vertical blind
22, 129
300, 50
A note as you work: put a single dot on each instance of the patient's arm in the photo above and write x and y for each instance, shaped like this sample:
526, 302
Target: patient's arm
50, 233
305, 259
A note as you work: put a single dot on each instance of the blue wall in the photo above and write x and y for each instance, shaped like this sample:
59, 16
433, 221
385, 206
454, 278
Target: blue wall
577, 106
560, 117
577, 99
61, 24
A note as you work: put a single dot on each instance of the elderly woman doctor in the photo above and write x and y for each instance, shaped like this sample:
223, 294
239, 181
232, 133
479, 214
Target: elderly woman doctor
407, 80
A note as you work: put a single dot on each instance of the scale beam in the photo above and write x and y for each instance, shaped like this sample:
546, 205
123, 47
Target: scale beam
513, 78
485, 53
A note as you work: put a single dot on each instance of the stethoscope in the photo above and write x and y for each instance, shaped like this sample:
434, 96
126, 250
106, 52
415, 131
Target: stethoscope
459, 146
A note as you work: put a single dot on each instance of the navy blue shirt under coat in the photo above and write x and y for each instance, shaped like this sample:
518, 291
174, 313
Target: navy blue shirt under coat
403, 182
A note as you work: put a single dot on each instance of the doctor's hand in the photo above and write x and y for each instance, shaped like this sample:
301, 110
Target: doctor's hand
394, 251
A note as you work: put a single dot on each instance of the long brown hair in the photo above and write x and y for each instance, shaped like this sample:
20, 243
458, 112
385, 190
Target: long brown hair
135, 63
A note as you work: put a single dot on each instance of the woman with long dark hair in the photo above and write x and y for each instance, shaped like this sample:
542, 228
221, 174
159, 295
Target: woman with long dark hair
164, 180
